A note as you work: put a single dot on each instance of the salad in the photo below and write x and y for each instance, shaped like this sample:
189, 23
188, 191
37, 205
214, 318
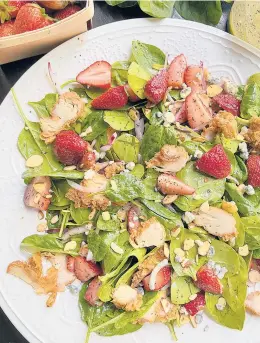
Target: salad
145, 176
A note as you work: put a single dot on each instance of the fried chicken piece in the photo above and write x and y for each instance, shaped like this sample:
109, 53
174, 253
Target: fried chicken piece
253, 133
252, 303
66, 111
147, 266
113, 169
170, 158
224, 122
127, 298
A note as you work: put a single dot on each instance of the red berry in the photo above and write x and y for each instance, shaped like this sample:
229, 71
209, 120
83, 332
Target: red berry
7, 28
171, 185
176, 72
97, 74
162, 278
67, 12
228, 103
86, 270
133, 222
112, 99
215, 163
194, 78
69, 147
253, 167
208, 281
198, 112
71, 263
196, 305
91, 295
156, 88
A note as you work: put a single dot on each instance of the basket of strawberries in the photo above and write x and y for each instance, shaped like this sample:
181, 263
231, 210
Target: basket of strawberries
30, 28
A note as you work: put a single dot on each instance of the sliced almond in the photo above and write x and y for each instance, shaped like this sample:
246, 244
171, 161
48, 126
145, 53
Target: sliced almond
193, 297
34, 161
40, 215
70, 168
166, 250
204, 207
254, 276
204, 248
41, 227
169, 199
48, 196
54, 219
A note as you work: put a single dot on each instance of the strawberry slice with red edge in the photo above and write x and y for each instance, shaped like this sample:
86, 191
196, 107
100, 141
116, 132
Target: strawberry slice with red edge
253, 167
69, 147
156, 88
97, 75
215, 163
179, 109
171, 185
228, 103
176, 72
86, 270
91, 295
112, 99
194, 78
71, 263
198, 114
196, 305
131, 94
162, 278
207, 281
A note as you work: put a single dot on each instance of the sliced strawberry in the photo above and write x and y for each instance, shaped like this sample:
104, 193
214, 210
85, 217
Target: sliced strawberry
176, 72
133, 219
156, 88
196, 305
194, 78
198, 114
179, 110
91, 295
171, 185
228, 103
215, 163
69, 147
97, 74
131, 94
88, 160
162, 278
86, 270
253, 167
112, 99
71, 263
208, 281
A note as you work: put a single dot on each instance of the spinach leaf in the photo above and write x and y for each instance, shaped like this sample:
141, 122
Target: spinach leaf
49, 215
119, 120
182, 287
226, 256
50, 243
154, 139
81, 91
126, 147
99, 243
147, 55
44, 107
96, 121
108, 225
248, 205
138, 171
192, 146
206, 12
137, 79
250, 105
93, 92
120, 72
252, 231
157, 8
79, 215
60, 189
207, 188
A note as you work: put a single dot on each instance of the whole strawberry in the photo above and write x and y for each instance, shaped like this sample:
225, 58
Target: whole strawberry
215, 163
196, 305
112, 99
10, 8
69, 147
156, 88
207, 281
31, 17
7, 28
67, 12
253, 167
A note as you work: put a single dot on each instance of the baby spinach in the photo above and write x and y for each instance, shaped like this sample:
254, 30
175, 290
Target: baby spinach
93, 92
98, 125
108, 225
207, 188
44, 107
119, 120
126, 147
206, 12
154, 139
49, 243
248, 205
99, 243
120, 72
226, 256
147, 55
60, 189
138, 171
250, 105
137, 79
79, 215
182, 287
157, 8
252, 231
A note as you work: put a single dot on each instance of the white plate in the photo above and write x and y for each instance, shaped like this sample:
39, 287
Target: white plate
222, 53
